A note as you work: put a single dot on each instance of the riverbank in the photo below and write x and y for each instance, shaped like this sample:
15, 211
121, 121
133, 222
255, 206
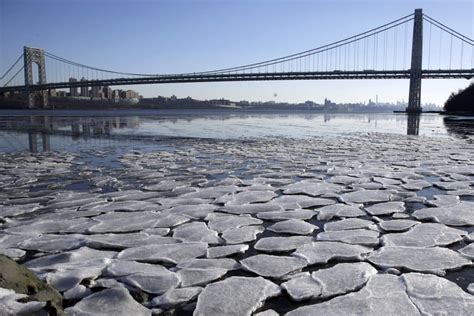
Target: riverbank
205, 225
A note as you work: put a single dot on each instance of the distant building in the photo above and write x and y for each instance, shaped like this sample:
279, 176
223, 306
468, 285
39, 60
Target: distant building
116, 94
107, 92
84, 88
129, 94
73, 90
97, 92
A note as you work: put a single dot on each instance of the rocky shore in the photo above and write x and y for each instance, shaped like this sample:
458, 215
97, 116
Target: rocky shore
368, 223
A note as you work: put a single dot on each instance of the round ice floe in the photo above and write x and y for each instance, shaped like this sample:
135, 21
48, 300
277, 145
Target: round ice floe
242, 234
355, 236
444, 200
347, 224
338, 210
71, 259
434, 295
212, 192
121, 222
461, 214
301, 201
366, 196
235, 296
224, 251
273, 266
321, 252
165, 185
397, 225
114, 301
281, 244
77, 292
416, 185
118, 268
175, 297
127, 206
194, 277
431, 260
312, 188
383, 294
468, 251
196, 231
252, 208
425, 235
126, 240
284, 215
386, 208
198, 211
223, 223
172, 253
454, 185
293, 226
247, 197
156, 283
342, 278
224, 263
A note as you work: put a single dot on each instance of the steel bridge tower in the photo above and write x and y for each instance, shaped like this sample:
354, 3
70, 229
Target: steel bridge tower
414, 95
31, 56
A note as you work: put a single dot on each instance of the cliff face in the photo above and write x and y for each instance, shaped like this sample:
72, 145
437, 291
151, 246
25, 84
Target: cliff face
463, 101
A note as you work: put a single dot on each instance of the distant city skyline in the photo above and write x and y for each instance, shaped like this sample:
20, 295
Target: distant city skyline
186, 36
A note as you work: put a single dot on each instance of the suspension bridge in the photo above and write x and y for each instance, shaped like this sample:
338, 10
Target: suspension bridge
384, 52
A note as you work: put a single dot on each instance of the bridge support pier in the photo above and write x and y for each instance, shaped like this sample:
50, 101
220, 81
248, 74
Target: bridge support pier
414, 95
35, 56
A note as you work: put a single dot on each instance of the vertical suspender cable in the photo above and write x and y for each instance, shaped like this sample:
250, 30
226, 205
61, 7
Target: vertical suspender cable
429, 48
395, 48
450, 51
405, 47
440, 43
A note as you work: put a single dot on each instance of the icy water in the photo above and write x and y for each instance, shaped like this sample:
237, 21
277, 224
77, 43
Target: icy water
212, 213
78, 130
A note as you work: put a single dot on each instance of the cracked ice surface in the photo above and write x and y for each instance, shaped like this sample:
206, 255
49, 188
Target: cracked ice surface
114, 301
340, 279
384, 294
235, 296
461, 214
425, 235
432, 260
273, 266
354, 236
170, 222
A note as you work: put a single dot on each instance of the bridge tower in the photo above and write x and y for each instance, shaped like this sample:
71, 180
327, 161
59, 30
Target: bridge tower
35, 56
414, 95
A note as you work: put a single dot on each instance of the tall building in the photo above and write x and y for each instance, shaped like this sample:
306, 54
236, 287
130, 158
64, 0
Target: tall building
116, 94
84, 89
73, 90
107, 92
97, 92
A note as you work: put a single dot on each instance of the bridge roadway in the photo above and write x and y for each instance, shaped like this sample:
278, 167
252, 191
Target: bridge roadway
263, 76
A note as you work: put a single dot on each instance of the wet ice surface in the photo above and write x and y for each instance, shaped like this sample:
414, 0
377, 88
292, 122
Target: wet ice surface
228, 227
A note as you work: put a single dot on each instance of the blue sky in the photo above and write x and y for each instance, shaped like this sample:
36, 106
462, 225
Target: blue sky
145, 36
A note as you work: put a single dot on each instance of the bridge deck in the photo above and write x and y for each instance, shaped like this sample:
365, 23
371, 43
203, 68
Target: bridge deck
224, 77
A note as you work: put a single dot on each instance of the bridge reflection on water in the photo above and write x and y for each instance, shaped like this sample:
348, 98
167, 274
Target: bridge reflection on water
74, 133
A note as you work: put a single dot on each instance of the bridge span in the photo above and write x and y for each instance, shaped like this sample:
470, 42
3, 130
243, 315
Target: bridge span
368, 55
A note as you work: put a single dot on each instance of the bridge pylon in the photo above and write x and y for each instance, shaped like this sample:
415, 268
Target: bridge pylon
414, 95
35, 56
